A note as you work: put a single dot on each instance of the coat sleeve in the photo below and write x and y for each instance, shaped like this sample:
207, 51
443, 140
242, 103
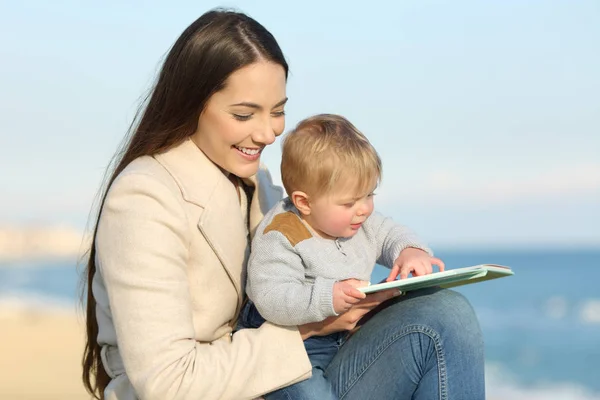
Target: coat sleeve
142, 251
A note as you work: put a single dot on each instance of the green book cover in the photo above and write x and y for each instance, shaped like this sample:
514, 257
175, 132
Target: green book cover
446, 279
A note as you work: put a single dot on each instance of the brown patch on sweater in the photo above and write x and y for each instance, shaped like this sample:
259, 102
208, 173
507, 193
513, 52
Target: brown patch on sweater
290, 226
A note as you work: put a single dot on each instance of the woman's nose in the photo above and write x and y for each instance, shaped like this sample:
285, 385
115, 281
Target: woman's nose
265, 134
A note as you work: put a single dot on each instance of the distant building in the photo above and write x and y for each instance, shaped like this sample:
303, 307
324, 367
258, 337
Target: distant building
40, 242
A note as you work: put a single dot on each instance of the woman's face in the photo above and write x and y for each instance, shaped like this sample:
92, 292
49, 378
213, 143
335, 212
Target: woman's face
244, 117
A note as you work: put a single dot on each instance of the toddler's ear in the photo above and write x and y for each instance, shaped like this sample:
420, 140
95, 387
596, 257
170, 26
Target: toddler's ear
300, 200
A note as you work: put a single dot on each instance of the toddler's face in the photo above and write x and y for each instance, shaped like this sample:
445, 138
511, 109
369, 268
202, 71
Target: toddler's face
340, 214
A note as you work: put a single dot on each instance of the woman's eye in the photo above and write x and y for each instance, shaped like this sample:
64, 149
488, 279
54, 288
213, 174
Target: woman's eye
278, 113
241, 117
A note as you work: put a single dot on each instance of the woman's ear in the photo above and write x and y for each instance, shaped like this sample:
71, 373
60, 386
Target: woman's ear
300, 200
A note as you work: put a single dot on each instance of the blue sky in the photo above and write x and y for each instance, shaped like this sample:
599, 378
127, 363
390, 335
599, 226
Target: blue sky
486, 114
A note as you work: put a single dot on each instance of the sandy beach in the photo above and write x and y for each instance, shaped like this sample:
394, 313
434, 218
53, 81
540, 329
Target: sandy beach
40, 353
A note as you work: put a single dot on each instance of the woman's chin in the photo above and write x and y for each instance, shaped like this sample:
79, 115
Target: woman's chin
245, 170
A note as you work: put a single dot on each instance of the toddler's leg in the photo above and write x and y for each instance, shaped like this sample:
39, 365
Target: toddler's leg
315, 388
321, 351
249, 317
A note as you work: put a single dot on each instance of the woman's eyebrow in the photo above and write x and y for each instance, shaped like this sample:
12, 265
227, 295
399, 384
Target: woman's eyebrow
257, 106
282, 102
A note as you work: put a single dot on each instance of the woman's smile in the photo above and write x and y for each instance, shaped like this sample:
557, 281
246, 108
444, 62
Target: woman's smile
249, 153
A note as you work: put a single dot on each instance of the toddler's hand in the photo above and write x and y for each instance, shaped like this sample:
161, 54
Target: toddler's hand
345, 295
414, 261
356, 282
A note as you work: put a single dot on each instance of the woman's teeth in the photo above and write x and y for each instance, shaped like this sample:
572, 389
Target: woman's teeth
250, 152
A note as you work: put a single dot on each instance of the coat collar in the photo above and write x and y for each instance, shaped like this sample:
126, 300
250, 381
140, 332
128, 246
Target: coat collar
197, 176
204, 184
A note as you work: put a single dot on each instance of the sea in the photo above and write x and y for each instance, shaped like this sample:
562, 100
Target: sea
541, 325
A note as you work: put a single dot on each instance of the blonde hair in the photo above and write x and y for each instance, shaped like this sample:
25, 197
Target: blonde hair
326, 151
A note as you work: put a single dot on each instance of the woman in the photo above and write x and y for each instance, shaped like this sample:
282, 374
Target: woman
166, 269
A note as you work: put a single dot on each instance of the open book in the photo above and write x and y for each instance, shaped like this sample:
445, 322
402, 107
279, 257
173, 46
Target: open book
446, 279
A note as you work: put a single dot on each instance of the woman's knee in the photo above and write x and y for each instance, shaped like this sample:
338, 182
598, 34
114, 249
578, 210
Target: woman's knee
444, 311
455, 306
454, 318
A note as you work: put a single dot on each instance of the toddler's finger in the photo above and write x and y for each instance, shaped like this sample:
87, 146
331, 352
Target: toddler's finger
356, 282
405, 271
354, 292
393, 273
439, 263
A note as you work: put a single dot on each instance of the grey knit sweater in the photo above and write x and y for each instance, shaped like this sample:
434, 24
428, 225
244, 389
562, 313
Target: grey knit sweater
291, 272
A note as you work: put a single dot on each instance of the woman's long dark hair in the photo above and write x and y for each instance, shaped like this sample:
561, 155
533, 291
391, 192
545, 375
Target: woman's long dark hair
203, 57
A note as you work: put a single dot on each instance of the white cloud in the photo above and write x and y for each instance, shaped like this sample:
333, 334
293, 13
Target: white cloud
453, 187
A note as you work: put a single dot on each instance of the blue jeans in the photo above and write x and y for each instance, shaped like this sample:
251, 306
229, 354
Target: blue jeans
426, 345
320, 350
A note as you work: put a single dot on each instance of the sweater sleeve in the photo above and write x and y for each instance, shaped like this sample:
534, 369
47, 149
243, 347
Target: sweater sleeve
142, 254
278, 287
391, 238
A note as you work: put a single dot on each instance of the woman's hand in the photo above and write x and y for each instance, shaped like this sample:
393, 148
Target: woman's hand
348, 320
415, 261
